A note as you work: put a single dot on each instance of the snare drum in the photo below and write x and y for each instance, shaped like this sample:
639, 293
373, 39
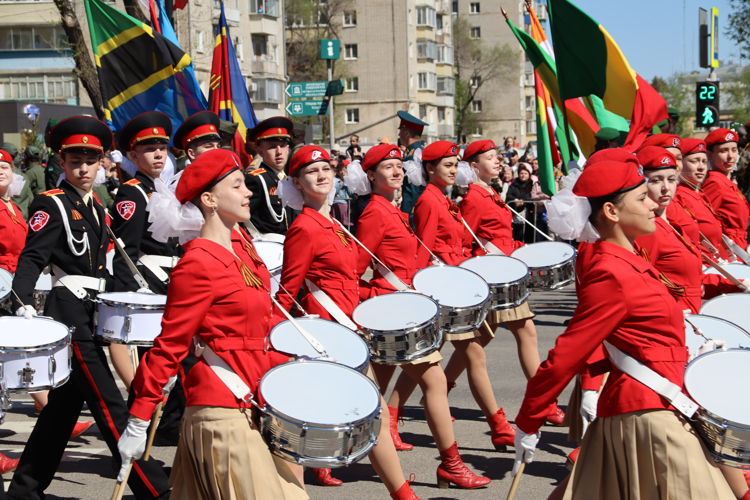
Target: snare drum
129, 317
272, 254
463, 295
6, 282
739, 271
34, 354
331, 428
723, 419
734, 307
551, 264
401, 327
341, 344
714, 328
506, 276
41, 291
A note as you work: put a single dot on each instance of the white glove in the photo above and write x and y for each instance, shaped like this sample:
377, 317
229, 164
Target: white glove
525, 445
589, 400
710, 345
27, 312
132, 444
744, 287
115, 156
144, 290
170, 385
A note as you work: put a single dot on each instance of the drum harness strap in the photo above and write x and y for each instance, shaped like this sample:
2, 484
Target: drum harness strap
484, 244
648, 377
225, 373
734, 247
120, 248
154, 263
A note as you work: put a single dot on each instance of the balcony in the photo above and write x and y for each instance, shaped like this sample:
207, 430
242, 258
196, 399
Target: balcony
444, 100
232, 15
264, 67
264, 25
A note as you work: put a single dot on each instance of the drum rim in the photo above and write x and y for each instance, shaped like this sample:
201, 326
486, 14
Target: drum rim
116, 340
715, 318
45, 347
703, 409
505, 283
563, 263
270, 410
67, 336
391, 332
125, 305
454, 308
711, 270
729, 296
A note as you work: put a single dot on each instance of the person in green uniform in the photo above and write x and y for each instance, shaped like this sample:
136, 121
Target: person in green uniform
410, 134
227, 130
53, 160
33, 170
607, 138
24, 199
674, 117
743, 162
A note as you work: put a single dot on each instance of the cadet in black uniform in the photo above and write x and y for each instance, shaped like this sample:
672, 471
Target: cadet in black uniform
146, 137
272, 137
67, 230
198, 134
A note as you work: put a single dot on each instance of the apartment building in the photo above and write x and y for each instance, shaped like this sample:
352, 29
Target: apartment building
397, 55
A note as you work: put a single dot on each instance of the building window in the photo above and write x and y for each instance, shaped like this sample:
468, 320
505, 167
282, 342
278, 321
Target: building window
427, 81
475, 81
474, 8
352, 84
238, 50
477, 131
268, 90
36, 38
350, 51
47, 88
476, 106
267, 7
352, 115
350, 18
426, 49
441, 115
476, 32
445, 54
454, 7
531, 127
260, 47
426, 16
199, 41
439, 24
530, 103
446, 85
422, 111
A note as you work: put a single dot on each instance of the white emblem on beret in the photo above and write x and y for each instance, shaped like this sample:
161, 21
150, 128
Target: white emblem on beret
392, 153
316, 155
729, 137
676, 142
665, 160
640, 171
700, 147
453, 150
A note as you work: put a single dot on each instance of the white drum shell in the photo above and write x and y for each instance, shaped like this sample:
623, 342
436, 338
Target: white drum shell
551, 264
124, 317
34, 368
714, 328
272, 255
739, 271
506, 277
733, 307
6, 281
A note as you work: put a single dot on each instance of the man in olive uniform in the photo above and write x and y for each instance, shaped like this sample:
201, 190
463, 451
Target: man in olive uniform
743, 162
607, 138
33, 170
227, 130
674, 117
410, 134
53, 161
23, 200
272, 138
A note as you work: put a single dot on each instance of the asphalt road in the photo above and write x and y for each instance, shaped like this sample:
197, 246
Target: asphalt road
86, 469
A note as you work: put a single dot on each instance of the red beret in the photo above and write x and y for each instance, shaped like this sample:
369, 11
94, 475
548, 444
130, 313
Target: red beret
720, 136
477, 148
662, 141
6, 157
747, 124
438, 150
205, 172
690, 146
656, 158
378, 153
608, 178
307, 155
612, 154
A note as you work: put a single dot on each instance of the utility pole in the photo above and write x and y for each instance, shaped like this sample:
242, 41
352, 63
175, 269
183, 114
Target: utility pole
330, 104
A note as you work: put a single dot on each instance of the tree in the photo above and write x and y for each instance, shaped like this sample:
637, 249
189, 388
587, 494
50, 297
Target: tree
659, 84
739, 26
476, 65
739, 92
677, 90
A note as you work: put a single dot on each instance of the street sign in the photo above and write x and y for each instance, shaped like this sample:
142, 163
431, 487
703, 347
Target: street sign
307, 108
329, 49
714, 37
707, 104
335, 87
307, 89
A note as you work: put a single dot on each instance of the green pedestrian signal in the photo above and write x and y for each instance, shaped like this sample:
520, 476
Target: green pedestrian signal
707, 109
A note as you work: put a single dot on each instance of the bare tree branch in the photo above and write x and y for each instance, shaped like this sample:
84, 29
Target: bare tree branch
133, 8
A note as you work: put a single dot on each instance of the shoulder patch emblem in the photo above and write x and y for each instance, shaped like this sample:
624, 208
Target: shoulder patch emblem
126, 209
132, 182
76, 215
53, 192
38, 220
258, 171
272, 191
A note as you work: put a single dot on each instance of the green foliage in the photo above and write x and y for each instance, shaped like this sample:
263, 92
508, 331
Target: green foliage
678, 91
739, 91
739, 26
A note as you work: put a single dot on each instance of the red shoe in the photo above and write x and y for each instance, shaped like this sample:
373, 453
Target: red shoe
746, 496
37, 409
557, 417
80, 428
453, 470
325, 479
572, 457
396, 414
503, 434
404, 493
8, 464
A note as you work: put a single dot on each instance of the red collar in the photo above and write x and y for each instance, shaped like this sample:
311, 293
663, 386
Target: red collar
325, 222
636, 261
433, 189
380, 200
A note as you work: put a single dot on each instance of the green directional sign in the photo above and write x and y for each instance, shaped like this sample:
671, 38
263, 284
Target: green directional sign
307, 89
307, 108
336, 87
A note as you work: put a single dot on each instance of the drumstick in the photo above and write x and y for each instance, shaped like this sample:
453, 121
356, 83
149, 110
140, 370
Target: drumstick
12, 291
475, 237
724, 272
516, 480
134, 358
152, 433
549, 238
120, 486
487, 327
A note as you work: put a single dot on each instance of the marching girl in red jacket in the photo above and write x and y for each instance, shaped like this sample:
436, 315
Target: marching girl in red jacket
12, 226
726, 198
438, 225
217, 296
639, 445
385, 231
319, 255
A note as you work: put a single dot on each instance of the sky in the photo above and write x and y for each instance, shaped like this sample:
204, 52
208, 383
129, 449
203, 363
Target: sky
653, 36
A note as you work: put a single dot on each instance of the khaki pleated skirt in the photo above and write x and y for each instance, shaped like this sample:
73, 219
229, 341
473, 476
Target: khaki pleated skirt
435, 357
221, 457
645, 455
521, 312
573, 419
454, 337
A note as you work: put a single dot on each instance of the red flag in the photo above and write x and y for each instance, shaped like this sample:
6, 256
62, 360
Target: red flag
650, 108
154, 16
180, 4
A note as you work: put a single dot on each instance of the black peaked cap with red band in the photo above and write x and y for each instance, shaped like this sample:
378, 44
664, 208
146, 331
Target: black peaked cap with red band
277, 127
202, 125
151, 127
81, 134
